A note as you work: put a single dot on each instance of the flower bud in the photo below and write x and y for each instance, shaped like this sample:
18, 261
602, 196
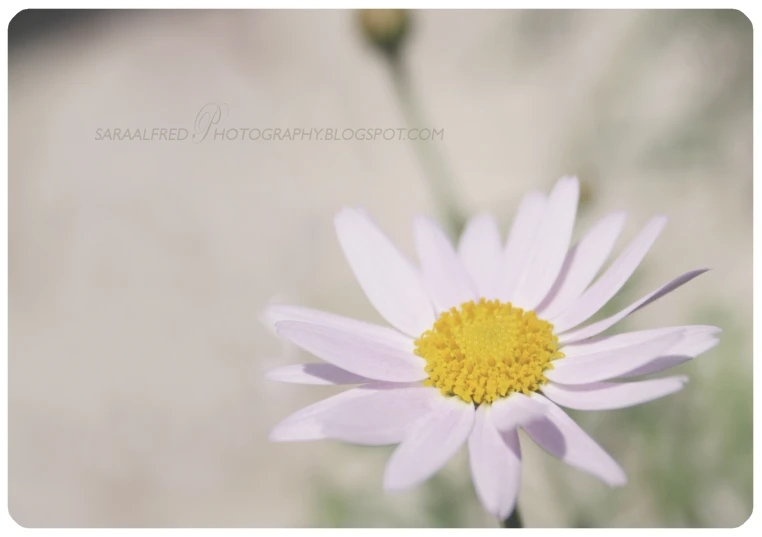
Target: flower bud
384, 28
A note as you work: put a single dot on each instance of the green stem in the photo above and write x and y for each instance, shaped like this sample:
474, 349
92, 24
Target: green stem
513, 521
440, 181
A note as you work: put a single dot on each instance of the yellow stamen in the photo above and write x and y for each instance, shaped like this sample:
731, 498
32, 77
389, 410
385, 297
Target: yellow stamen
486, 350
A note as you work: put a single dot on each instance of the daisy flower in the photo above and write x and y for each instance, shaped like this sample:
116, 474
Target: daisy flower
484, 339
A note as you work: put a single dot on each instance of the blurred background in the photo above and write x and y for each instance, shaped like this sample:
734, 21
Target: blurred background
138, 269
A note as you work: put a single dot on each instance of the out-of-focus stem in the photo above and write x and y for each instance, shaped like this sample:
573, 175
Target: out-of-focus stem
440, 181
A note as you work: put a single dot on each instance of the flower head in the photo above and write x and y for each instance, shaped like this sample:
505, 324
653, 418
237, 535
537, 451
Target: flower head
484, 340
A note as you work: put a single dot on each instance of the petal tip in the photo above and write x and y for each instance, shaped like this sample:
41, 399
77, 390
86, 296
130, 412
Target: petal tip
289, 431
503, 514
618, 477
274, 375
619, 481
267, 316
276, 435
420, 219
347, 212
392, 484
568, 183
282, 328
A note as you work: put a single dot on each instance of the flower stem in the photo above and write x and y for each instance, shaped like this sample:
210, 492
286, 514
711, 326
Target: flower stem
440, 181
513, 521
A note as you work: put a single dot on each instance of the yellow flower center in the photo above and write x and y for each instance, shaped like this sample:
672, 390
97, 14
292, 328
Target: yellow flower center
486, 350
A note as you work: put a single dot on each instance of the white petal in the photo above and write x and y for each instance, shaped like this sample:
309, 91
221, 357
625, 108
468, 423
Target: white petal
582, 264
383, 334
618, 341
514, 410
612, 395
392, 284
550, 246
306, 424
660, 363
444, 276
374, 414
383, 417
561, 437
701, 345
519, 244
325, 374
430, 444
495, 460
598, 327
693, 341
354, 353
612, 280
481, 251
609, 364
696, 340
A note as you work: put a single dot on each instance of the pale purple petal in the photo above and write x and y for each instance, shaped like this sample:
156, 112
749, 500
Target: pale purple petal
609, 364
611, 281
383, 417
582, 264
550, 246
430, 444
307, 424
374, 414
596, 328
515, 410
354, 353
660, 363
323, 374
275, 313
389, 280
693, 340
701, 344
444, 276
519, 244
480, 249
495, 460
612, 395
610, 343
559, 435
